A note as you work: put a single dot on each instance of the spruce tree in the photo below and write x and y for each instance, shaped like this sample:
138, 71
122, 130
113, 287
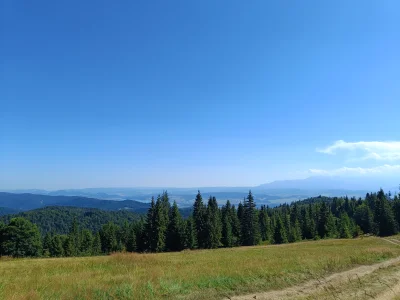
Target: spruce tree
96, 246
236, 229
323, 220
109, 240
227, 230
384, 216
213, 224
86, 243
308, 223
131, 240
295, 232
69, 248
280, 236
345, 231
124, 233
56, 249
250, 227
396, 209
331, 226
240, 211
190, 233
47, 245
150, 243
265, 224
199, 216
364, 218
161, 223
175, 234
75, 237
141, 235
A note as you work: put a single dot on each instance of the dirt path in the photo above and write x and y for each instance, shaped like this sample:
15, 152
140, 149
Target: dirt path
336, 282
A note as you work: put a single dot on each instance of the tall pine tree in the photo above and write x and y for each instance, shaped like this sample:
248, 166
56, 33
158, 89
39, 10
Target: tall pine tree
250, 227
199, 216
176, 234
213, 224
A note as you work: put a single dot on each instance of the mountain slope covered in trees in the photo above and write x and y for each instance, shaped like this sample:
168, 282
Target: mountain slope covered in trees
58, 219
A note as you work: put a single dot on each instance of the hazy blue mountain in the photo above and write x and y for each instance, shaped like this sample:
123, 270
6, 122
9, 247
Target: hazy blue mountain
328, 184
91, 198
24, 202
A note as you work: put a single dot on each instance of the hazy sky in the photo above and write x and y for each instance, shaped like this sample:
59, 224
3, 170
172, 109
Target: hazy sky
196, 93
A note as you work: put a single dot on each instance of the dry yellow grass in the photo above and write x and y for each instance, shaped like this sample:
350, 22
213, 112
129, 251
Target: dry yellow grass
201, 274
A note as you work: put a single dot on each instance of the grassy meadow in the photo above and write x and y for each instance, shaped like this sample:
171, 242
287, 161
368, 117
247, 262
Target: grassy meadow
201, 274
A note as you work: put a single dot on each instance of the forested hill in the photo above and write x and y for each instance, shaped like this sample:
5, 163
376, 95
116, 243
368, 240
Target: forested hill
24, 202
7, 211
58, 219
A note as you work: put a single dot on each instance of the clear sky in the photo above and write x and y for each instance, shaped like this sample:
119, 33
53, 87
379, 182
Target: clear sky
196, 93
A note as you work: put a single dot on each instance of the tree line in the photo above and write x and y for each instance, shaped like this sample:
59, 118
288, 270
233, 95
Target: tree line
211, 226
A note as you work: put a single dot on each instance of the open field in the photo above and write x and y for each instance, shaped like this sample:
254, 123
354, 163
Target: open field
202, 274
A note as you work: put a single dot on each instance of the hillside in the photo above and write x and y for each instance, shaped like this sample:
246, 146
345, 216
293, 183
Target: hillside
58, 219
7, 211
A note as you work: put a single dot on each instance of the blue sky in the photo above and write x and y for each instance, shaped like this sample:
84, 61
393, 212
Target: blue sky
196, 93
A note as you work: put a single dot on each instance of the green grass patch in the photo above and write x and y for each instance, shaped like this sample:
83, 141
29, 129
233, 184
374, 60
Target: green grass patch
199, 274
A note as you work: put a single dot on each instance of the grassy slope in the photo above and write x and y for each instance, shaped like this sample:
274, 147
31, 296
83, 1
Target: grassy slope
190, 274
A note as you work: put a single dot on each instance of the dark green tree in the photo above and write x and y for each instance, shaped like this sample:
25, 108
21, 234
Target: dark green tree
265, 224
236, 228
96, 246
131, 241
345, 226
176, 233
75, 237
150, 242
124, 233
47, 244
331, 226
56, 248
108, 237
86, 243
250, 226
384, 216
20, 238
227, 222
199, 216
69, 247
280, 236
190, 233
161, 222
213, 224
295, 232
364, 218
141, 236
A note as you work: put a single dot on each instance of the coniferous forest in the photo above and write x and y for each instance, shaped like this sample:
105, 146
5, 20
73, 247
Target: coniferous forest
209, 226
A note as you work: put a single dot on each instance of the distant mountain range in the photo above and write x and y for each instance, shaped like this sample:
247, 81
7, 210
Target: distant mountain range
335, 183
137, 199
22, 202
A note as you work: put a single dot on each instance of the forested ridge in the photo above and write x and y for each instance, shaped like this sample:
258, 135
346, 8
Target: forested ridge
209, 226
58, 219
26, 201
